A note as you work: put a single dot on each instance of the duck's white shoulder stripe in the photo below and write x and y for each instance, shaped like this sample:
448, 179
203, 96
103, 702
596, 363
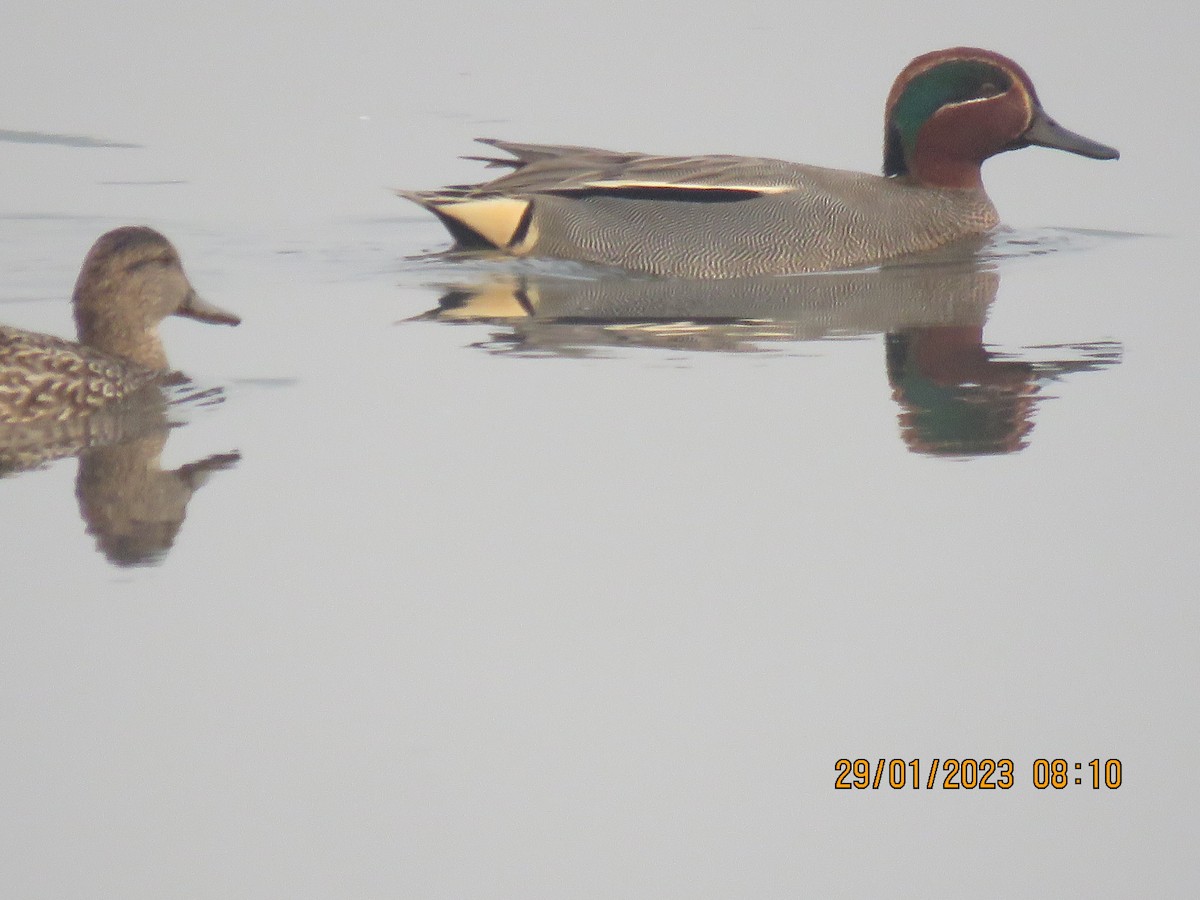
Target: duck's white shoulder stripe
619, 184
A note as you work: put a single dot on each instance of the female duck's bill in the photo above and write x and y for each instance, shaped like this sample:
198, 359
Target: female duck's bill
726, 216
196, 307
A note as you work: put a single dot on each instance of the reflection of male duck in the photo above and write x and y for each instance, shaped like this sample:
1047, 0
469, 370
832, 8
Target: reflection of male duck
100, 399
958, 397
547, 312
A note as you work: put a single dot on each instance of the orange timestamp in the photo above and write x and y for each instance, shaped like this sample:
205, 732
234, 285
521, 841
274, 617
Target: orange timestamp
972, 774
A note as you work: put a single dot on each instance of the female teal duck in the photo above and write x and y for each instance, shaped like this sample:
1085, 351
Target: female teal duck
729, 216
130, 281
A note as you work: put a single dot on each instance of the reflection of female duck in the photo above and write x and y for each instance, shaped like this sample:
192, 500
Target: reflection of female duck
130, 504
130, 281
134, 507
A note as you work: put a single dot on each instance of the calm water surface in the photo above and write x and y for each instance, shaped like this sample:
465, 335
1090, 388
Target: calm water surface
454, 578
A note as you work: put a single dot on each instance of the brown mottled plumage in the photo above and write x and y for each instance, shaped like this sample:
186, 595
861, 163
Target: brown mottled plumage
731, 216
130, 281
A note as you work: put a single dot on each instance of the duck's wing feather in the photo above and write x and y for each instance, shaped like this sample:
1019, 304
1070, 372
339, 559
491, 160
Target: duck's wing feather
568, 170
524, 154
496, 213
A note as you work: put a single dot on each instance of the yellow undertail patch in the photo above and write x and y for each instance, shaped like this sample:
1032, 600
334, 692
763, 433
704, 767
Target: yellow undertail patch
495, 219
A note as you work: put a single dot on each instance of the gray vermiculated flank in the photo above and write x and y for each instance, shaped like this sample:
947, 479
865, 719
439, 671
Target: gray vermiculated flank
831, 220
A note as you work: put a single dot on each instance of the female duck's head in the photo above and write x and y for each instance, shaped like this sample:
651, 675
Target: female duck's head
951, 109
130, 281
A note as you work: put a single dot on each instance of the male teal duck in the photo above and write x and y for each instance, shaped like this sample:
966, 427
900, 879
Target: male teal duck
130, 281
731, 216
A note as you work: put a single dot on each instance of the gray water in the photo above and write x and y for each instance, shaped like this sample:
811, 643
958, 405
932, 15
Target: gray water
590, 602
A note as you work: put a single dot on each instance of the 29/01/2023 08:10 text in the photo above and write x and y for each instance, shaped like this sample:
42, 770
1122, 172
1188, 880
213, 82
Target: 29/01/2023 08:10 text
973, 774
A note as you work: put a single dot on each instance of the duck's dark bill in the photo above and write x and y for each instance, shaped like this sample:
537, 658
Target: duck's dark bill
1045, 132
196, 308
